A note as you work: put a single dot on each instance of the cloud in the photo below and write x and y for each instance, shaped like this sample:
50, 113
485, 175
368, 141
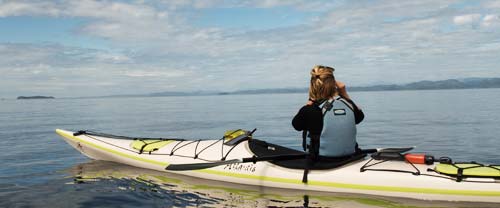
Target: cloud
141, 24
310, 5
55, 55
159, 73
71, 71
155, 46
492, 4
19, 8
466, 19
491, 20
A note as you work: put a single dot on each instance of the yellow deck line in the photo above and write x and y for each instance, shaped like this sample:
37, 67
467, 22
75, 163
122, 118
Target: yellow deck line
297, 181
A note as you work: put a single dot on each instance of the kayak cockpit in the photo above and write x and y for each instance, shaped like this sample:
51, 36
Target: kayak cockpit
264, 149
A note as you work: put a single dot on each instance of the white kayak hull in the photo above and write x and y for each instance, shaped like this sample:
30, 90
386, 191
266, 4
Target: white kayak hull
345, 179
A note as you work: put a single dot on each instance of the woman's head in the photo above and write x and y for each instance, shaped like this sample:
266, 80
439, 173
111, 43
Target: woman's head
322, 83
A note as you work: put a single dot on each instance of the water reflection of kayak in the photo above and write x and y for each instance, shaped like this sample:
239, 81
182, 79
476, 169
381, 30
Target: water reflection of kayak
191, 191
223, 160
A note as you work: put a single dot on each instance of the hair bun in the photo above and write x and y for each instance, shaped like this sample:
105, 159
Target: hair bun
321, 71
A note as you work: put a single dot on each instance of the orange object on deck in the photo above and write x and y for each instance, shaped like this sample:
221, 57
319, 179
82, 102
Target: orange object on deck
419, 158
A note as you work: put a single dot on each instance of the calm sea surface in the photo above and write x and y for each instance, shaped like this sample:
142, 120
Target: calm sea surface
40, 170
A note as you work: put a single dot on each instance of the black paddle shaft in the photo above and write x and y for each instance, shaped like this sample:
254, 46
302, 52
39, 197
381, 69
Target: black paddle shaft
255, 159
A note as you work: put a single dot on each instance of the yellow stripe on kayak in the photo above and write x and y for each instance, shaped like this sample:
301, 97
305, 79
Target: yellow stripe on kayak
356, 186
74, 138
407, 189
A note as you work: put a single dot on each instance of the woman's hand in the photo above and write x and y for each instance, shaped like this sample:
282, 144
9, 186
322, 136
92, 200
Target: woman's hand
341, 89
340, 85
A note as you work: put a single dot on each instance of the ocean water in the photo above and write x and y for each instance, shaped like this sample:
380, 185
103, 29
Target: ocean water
40, 170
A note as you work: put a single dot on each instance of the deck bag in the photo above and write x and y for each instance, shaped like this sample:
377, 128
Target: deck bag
149, 145
468, 170
233, 137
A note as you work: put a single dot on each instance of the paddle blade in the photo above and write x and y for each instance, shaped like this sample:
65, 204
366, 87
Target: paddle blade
395, 150
198, 166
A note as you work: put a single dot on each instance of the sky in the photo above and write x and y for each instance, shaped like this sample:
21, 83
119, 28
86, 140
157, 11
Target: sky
91, 48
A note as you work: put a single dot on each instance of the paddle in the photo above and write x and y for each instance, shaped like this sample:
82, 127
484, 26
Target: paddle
197, 166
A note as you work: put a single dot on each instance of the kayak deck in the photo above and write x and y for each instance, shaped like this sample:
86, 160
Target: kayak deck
347, 178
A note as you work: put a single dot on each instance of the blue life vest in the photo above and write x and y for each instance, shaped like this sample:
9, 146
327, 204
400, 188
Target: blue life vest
338, 137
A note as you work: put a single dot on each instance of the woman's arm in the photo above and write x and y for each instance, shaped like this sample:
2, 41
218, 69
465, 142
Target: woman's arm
309, 118
358, 113
299, 120
342, 90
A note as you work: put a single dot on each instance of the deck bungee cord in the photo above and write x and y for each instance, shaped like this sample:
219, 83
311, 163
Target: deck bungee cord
233, 141
446, 167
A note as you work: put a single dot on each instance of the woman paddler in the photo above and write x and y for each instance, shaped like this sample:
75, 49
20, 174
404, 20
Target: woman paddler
329, 117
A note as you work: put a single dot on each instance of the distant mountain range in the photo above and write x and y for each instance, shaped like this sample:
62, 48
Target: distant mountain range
468, 83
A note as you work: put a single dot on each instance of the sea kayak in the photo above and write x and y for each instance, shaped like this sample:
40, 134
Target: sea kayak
243, 160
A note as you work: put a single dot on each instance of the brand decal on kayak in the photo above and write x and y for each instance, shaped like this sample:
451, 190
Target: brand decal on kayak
241, 167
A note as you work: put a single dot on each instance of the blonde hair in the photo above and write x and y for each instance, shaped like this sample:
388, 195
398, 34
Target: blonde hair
322, 83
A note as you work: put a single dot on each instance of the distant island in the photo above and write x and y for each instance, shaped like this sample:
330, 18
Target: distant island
34, 97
